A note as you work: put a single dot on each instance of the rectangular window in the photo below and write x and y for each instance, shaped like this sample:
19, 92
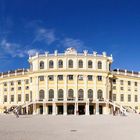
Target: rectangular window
114, 81
12, 89
136, 98
19, 88
12, 98
5, 89
19, 97
136, 90
19, 82
27, 97
129, 83
121, 88
30, 95
5, 98
129, 89
90, 77
5, 84
80, 77
60, 77
70, 77
41, 78
122, 97
27, 87
31, 79
114, 97
129, 98
136, 84
12, 83
114, 87
99, 78
27, 81
51, 77
121, 82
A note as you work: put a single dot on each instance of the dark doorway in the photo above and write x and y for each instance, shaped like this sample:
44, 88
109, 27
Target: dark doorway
100, 109
81, 109
70, 109
91, 109
41, 109
49, 109
59, 109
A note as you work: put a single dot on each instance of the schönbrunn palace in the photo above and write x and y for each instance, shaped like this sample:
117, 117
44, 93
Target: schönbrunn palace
70, 83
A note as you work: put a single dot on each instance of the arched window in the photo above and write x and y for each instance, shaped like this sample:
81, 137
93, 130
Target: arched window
60, 94
41, 95
51, 94
99, 65
51, 65
90, 94
60, 64
70, 94
90, 64
70, 64
80, 64
100, 94
41, 65
80, 94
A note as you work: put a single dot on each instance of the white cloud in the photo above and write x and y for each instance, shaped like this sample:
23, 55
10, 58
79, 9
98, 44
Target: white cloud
46, 35
32, 52
74, 43
12, 49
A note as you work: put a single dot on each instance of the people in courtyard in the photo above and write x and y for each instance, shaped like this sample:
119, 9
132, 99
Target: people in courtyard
15, 111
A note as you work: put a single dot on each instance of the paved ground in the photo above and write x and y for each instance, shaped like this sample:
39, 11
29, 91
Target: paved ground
95, 127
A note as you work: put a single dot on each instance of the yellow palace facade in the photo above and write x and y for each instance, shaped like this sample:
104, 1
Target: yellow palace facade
70, 83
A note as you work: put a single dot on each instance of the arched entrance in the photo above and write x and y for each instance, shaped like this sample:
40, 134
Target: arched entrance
40, 109
70, 109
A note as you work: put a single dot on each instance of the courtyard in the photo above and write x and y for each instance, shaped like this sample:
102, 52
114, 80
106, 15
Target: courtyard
97, 127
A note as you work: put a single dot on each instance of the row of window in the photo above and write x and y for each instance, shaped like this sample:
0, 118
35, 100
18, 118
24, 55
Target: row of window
60, 95
18, 82
70, 64
19, 88
128, 82
70, 77
19, 98
128, 97
70, 94
122, 88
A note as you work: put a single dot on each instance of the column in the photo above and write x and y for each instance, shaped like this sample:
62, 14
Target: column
95, 87
85, 87
107, 109
54, 109
8, 98
65, 87
44, 108
23, 90
56, 87
97, 108
34, 108
27, 111
87, 108
65, 109
46, 89
76, 88
37, 88
76, 109
15, 89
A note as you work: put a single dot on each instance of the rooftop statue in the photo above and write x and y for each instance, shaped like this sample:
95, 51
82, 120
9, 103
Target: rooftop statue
71, 51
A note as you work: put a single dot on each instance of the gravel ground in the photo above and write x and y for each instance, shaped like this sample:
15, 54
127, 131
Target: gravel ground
96, 127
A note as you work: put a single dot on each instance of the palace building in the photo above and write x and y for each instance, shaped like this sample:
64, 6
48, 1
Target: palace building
70, 83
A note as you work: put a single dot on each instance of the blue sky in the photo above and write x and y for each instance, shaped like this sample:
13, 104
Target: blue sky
27, 26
